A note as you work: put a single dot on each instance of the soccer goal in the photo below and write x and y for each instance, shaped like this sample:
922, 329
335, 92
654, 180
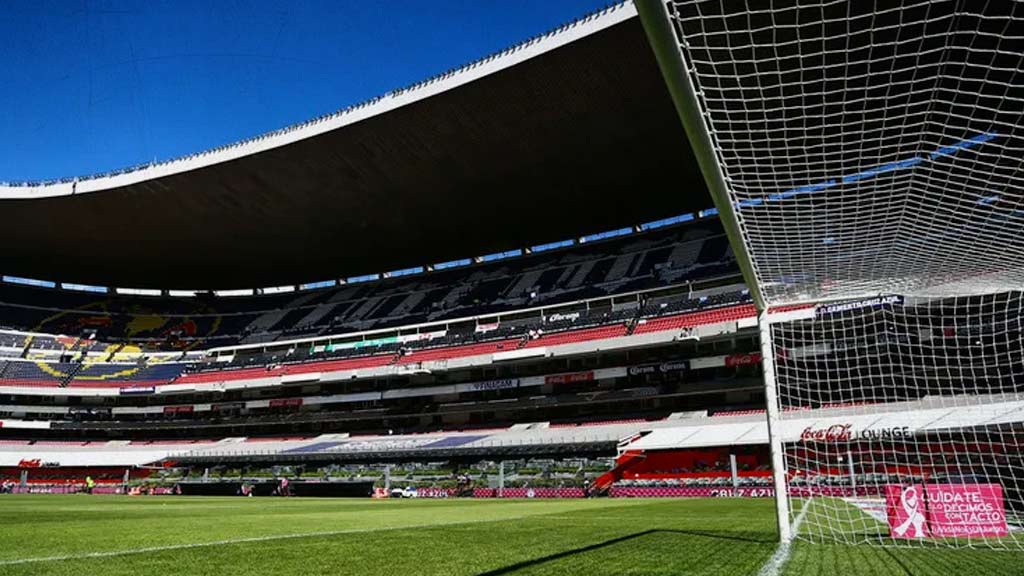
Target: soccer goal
867, 162
899, 419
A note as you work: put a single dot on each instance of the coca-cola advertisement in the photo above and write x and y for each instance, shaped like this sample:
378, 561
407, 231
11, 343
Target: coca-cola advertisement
569, 378
742, 359
833, 433
846, 433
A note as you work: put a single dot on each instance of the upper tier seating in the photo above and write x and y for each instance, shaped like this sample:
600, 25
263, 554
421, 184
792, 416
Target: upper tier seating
694, 251
500, 339
540, 331
278, 370
531, 332
25, 373
574, 336
433, 355
694, 319
121, 375
13, 340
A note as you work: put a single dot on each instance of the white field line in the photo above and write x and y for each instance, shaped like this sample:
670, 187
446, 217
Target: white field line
170, 547
773, 567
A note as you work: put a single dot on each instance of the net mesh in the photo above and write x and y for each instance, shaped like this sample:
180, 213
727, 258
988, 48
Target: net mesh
867, 147
871, 148
891, 394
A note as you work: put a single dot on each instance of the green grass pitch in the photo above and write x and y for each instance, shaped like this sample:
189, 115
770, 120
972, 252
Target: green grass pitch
114, 535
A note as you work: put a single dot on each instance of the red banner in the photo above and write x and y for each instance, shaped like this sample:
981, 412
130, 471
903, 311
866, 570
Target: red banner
728, 492
742, 359
569, 378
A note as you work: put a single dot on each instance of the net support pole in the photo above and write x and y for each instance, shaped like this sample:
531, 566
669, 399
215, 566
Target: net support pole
660, 35
853, 473
501, 479
735, 475
771, 394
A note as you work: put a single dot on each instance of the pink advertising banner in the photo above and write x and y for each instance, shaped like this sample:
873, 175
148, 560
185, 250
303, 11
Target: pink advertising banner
945, 510
529, 493
742, 492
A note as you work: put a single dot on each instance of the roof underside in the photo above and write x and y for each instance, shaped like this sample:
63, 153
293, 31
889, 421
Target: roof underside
579, 139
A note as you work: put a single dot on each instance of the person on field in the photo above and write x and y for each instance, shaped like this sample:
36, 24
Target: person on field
89, 484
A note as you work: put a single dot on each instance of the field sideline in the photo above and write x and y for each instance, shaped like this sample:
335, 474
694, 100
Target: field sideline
111, 535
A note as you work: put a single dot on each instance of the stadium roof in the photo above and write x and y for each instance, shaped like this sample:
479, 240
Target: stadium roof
844, 423
565, 135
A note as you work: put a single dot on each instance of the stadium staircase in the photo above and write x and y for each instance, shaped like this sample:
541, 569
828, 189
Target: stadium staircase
627, 460
581, 274
75, 369
633, 322
28, 347
113, 352
623, 464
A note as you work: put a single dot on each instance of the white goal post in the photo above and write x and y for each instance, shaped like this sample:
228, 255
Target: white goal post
867, 162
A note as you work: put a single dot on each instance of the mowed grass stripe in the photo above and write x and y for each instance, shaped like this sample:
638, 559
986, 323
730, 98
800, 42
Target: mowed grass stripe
70, 525
250, 540
733, 537
611, 536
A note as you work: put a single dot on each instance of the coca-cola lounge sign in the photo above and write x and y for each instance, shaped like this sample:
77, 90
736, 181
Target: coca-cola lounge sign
847, 433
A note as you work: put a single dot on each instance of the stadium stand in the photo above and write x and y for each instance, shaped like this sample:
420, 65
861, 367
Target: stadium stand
529, 335
25, 373
655, 259
99, 375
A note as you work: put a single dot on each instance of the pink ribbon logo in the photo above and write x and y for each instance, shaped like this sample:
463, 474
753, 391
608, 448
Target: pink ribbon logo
911, 501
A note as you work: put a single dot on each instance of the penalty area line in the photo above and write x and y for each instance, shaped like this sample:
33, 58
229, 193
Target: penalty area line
249, 540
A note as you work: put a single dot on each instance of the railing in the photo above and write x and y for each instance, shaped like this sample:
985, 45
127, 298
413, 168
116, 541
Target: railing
635, 297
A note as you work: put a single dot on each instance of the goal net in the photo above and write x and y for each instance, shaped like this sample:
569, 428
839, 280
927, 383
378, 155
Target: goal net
863, 150
892, 394
867, 147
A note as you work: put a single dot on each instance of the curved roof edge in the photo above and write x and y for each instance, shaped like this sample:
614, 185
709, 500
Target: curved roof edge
536, 46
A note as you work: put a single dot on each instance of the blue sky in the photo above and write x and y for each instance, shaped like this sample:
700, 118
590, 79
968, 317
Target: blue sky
91, 85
